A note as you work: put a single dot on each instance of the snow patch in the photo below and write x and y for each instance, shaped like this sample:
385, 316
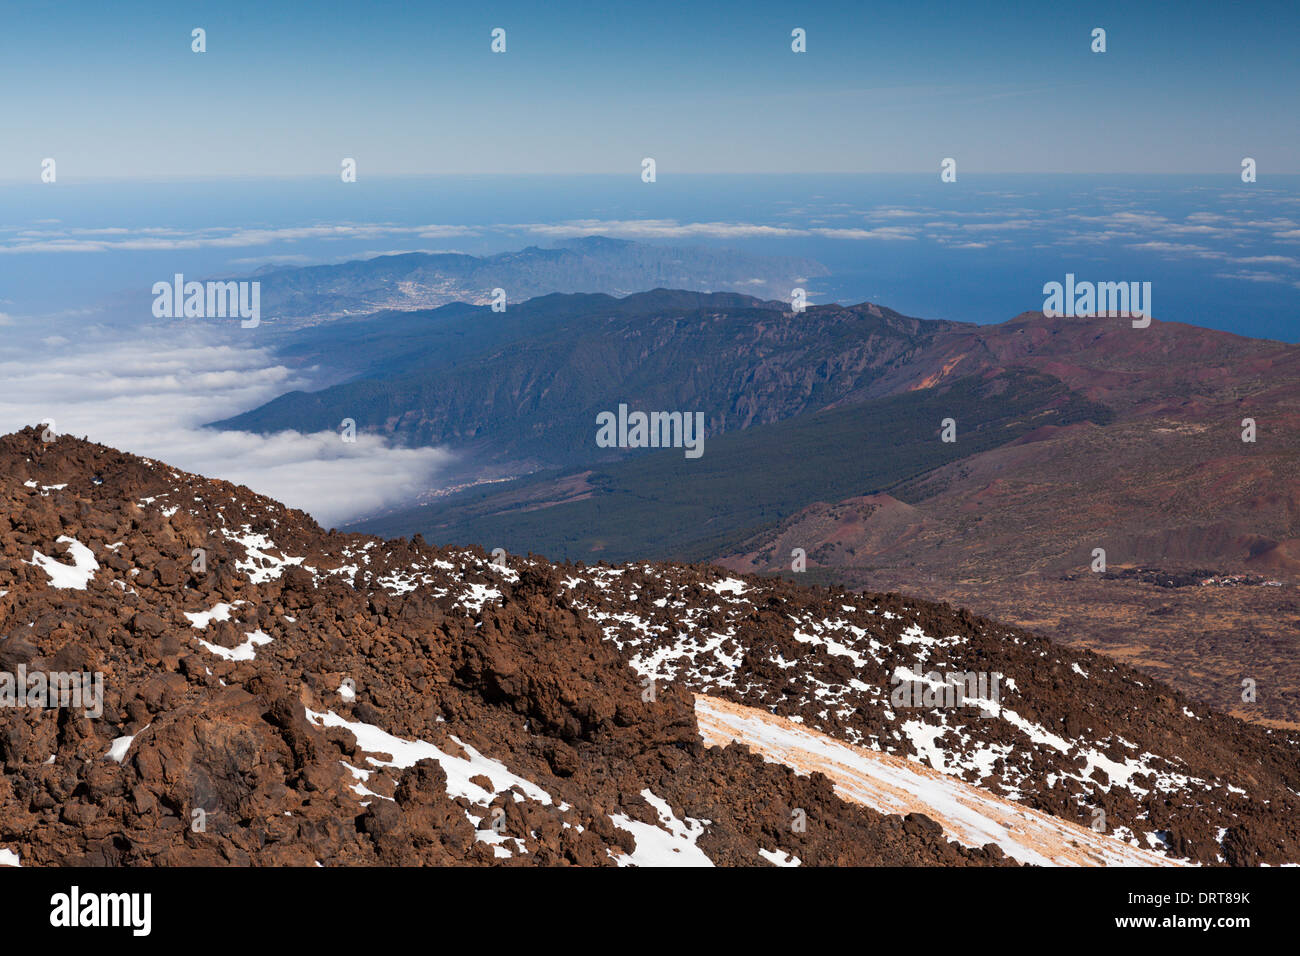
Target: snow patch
75, 576
244, 652
672, 843
220, 612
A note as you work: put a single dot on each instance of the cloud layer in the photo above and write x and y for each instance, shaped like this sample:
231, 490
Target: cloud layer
149, 391
1240, 228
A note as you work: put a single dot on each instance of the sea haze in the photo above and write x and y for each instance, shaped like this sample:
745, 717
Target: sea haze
1218, 252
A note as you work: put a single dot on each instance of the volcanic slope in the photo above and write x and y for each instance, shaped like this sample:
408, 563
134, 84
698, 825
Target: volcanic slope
278, 694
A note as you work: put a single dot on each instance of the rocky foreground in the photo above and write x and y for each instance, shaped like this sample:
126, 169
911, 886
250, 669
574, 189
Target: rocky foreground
277, 694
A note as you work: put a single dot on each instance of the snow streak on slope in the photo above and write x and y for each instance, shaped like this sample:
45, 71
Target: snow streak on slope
461, 773
671, 843
968, 814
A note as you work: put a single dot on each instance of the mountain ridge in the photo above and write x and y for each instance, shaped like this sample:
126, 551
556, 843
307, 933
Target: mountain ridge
1162, 482
531, 394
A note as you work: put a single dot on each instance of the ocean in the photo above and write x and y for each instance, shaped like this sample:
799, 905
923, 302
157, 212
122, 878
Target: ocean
1218, 252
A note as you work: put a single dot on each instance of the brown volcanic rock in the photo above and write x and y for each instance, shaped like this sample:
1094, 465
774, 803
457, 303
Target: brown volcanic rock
348, 700
306, 697
1071, 733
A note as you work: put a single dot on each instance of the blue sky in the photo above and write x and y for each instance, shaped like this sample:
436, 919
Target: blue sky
289, 89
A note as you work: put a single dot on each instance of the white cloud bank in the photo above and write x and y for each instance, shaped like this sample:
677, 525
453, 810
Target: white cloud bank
149, 391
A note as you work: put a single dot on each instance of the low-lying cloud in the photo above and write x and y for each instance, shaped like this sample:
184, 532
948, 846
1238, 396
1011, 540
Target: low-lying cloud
149, 391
